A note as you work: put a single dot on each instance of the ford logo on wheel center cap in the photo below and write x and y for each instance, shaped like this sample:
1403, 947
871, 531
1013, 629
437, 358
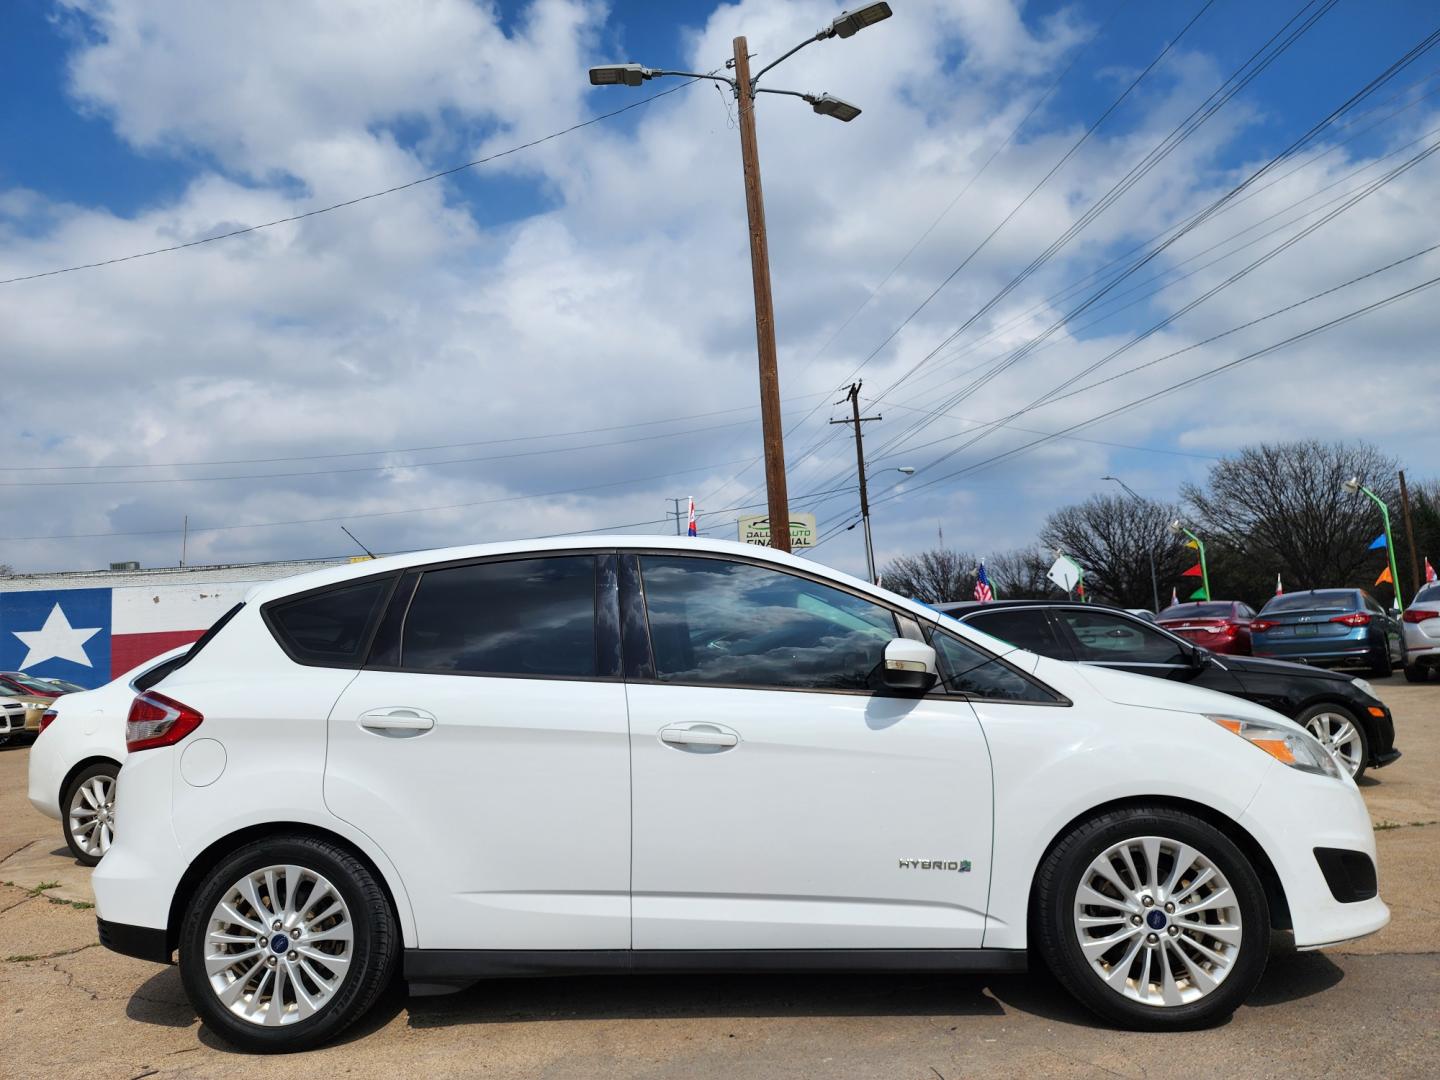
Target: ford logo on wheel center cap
1156, 919
280, 943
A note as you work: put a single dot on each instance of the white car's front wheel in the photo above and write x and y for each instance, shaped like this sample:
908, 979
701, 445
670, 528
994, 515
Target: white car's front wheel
1153, 918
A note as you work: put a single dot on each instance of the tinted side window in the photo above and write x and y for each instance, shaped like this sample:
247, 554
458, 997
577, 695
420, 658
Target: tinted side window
1102, 637
519, 617
1025, 628
330, 628
966, 670
714, 621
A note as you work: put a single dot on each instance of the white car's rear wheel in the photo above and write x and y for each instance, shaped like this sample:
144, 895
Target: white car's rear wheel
287, 943
1153, 918
89, 804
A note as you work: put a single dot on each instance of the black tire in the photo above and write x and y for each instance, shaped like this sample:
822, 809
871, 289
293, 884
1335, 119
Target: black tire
67, 797
376, 944
1382, 663
1324, 707
1061, 874
1417, 673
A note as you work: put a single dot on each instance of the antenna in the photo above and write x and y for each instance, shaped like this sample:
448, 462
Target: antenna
361, 546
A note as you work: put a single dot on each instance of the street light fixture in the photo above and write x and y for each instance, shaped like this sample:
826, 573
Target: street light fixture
1179, 529
849, 23
745, 86
1154, 581
1354, 487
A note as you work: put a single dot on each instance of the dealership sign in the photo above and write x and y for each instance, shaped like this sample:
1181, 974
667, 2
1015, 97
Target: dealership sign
755, 529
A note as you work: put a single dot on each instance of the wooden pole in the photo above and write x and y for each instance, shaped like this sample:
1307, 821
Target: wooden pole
1409, 535
774, 435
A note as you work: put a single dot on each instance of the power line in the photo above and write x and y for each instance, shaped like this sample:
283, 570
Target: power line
350, 202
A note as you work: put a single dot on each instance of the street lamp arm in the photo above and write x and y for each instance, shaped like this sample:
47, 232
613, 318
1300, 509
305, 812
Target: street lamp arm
787, 93
821, 36
696, 75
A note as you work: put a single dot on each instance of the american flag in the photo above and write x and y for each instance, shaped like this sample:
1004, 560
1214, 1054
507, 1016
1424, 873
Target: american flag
983, 592
691, 529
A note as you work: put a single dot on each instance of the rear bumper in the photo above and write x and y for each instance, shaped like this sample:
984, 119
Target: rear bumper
141, 942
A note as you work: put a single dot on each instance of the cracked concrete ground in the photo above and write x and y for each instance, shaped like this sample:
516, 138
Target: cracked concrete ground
1370, 1007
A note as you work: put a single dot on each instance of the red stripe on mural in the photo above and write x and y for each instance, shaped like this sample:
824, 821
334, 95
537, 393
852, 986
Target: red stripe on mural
128, 650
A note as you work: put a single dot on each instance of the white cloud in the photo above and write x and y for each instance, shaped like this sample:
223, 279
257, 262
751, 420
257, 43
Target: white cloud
620, 294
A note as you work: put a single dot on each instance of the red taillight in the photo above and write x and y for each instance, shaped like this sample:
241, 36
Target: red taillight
1355, 618
1259, 626
156, 720
47, 718
1419, 615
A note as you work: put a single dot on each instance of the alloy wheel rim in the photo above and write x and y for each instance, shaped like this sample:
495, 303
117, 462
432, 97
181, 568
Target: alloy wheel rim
1338, 735
92, 815
279, 945
1157, 921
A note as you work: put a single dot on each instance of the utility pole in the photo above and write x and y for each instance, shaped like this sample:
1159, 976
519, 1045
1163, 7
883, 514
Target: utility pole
854, 398
845, 25
184, 538
1409, 535
773, 433
676, 513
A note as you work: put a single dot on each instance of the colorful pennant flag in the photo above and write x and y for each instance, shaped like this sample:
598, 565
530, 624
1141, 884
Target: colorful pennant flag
1384, 577
1429, 570
1194, 571
1174, 599
1378, 544
1193, 544
1199, 594
691, 529
1279, 589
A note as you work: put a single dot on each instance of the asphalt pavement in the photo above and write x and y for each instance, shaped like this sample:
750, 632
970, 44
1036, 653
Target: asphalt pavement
1372, 1007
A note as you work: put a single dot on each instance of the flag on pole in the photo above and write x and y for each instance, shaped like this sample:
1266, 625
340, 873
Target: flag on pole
982, 585
1429, 570
691, 530
1199, 594
1194, 571
1384, 577
1174, 597
1193, 544
1279, 589
1378, 544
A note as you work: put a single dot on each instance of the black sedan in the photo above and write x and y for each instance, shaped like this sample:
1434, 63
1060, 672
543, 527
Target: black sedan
1340, 711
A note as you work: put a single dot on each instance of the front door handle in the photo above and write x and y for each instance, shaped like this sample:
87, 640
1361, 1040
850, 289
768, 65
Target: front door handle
397, 718
699, 736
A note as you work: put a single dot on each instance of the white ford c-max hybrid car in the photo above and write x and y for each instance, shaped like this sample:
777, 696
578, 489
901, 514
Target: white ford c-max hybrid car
641, 754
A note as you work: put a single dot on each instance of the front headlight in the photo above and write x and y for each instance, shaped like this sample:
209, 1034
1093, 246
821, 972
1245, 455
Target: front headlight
1365, 688
1286, 743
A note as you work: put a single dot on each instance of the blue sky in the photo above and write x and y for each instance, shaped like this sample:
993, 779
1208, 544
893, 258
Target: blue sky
601, 280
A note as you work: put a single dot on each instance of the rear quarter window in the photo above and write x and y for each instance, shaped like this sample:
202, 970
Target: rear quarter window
332, 627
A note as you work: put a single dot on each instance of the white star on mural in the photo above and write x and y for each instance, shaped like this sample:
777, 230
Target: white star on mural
56, 640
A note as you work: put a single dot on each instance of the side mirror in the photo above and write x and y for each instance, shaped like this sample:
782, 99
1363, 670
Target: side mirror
909, 666
1199, 656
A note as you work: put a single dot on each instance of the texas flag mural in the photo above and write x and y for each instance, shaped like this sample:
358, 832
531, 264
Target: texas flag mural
89, 636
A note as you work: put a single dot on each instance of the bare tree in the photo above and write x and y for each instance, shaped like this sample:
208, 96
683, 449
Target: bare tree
1281, 506
933, 577
1113, 537
1020, 574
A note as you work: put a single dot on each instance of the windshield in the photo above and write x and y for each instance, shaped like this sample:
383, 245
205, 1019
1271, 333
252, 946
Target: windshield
1197, 611
1430, 594
1320, 599
40, 686
65, 685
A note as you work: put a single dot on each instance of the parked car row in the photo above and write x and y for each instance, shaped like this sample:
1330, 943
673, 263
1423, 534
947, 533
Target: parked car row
23, 701
1327, 627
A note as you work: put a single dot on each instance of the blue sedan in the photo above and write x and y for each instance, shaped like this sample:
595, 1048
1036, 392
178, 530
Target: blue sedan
1332, 627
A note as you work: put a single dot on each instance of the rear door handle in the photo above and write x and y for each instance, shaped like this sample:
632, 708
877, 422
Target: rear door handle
397, 718
707, 736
